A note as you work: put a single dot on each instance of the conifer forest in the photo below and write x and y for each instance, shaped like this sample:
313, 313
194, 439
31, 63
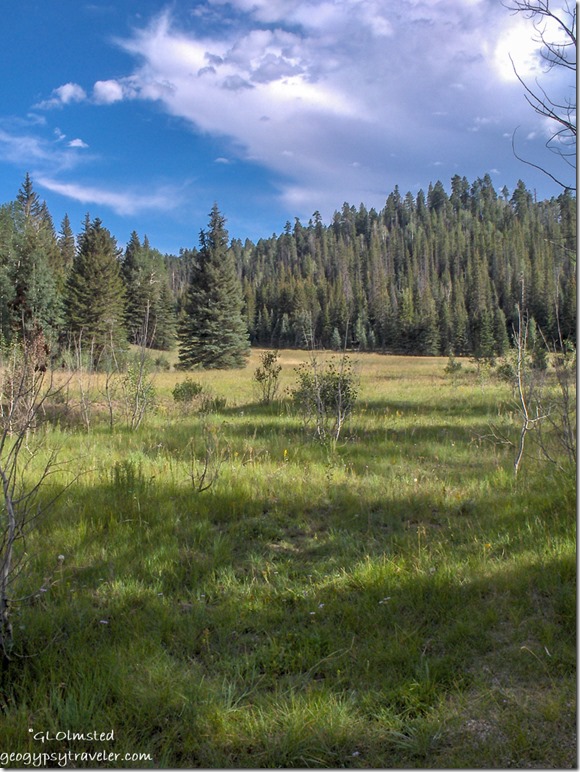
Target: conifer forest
433, 274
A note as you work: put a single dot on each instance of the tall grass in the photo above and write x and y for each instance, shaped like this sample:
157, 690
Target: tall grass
397, 601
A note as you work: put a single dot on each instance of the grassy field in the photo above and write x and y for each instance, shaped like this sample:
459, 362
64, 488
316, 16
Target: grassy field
399, 600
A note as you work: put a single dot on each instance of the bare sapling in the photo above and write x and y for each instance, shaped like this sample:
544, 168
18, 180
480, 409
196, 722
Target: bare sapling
138, 388
205, 467
26, 387
525, 388
84, 370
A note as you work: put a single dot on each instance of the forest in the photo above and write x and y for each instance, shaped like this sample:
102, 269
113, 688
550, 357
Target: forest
431, 274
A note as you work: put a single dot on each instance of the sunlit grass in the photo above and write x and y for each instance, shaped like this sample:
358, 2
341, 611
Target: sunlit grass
397, 600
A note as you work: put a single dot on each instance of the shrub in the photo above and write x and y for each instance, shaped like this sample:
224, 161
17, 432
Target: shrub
161, 363
326, 395
187, 390
453, 366
268, 376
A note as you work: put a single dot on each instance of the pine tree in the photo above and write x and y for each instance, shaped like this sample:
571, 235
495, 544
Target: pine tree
132, 273
213, 332
7, 253
66, 245
165, 321
149, 306
95, 297
36, 304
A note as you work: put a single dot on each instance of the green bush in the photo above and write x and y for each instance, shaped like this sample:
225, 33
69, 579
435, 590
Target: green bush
453, 366
187, 390
161, 363
326, 395
268, 376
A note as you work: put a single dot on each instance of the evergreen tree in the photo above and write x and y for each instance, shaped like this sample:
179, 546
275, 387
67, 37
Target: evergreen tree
135, 291
213, 332
95, 296
165, 322
149, 309
7, 256
36, 305
66, 245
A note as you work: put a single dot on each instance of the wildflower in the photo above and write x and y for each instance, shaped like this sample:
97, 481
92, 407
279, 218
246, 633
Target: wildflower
321, 605
103, 621
285, 454
60, 558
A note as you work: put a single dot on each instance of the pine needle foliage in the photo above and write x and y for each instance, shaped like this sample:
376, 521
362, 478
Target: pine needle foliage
95, 300
213, 333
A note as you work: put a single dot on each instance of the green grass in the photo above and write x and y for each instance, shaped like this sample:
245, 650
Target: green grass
397, 601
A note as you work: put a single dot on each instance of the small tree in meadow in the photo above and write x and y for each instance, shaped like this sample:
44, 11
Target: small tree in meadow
213, 333
326, 395
267, 376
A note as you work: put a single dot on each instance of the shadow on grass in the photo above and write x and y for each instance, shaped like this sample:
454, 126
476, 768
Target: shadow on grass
303, 660
243, 628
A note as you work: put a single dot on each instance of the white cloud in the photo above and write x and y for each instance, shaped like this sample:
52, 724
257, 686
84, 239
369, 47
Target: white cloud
63, 95
122, 202
105, 92
516, 50
77, 143
25, 150
303, 87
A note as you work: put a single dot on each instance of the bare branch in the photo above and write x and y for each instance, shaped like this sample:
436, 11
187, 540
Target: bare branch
536, 166
556, 34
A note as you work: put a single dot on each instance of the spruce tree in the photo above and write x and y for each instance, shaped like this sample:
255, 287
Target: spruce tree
35, 306
149, 311
213, 331
66, 245
95, 297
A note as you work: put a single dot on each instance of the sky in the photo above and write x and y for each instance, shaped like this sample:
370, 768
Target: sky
145, 113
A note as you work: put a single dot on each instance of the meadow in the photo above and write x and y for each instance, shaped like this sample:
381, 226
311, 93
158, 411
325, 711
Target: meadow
397, 599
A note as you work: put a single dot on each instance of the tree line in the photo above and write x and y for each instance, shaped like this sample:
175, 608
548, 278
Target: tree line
429, 274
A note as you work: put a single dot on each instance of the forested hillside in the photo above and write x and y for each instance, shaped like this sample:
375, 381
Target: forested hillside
429, 274
426, 275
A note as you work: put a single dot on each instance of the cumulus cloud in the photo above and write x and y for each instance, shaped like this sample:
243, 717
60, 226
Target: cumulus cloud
306, 86
106, 92
336, 98
63, 95
77, 143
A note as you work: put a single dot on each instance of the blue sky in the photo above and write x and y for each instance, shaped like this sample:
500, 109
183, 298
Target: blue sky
145, 113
